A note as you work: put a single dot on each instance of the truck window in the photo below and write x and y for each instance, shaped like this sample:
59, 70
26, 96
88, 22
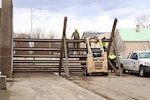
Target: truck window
144, 55
134, 56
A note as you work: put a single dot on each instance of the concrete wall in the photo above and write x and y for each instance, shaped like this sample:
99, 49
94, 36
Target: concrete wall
6, 30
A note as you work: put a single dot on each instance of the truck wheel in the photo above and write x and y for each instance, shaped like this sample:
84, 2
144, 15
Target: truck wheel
142, 73
122, 69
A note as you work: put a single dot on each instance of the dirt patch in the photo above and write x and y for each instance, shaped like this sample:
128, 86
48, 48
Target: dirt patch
112, 87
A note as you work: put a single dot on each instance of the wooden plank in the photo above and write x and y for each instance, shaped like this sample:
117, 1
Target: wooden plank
77, 56
36, 49
36, 61
45, 40
38, 56
45, 66
117, 58
113, 67
112, 36
44, 70
62, 45
66, 60
47, 61
83, 40
112, 40
75, 49
35, 40
35, 66
75, 41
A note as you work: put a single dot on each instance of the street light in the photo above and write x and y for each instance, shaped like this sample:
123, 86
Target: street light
32, 9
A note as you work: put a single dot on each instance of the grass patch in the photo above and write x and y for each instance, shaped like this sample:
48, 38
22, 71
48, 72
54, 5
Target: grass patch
7, 95
4, 95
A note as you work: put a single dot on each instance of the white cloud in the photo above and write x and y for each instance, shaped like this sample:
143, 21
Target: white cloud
85, 18
126, 23
54, 21
22, 20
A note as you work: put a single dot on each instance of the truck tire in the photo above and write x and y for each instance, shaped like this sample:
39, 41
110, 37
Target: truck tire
142, 73
122, 69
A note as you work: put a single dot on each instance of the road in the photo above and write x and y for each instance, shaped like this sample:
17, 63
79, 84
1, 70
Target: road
112, 87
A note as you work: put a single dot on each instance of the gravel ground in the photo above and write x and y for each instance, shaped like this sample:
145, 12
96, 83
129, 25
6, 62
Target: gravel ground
112, 87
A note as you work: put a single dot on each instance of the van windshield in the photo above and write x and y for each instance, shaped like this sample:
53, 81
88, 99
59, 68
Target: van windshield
144, 55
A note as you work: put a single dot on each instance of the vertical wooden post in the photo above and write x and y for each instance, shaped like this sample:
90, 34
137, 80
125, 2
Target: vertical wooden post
112, 39
113, 67
62, 45
112, 36
117, 59
66, 58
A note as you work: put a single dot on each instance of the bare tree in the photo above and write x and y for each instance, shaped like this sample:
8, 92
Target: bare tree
118, 45
21, 35
52, 34
37, 33
143, 20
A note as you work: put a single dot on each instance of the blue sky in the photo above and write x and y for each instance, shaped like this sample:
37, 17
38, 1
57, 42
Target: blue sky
86, 15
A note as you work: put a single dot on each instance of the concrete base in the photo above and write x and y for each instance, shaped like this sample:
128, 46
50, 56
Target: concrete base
2, 82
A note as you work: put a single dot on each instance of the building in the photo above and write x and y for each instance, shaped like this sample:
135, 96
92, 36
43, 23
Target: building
95, 34
90, 34
132, 39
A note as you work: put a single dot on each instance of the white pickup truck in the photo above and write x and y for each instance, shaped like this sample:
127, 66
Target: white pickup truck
138, 61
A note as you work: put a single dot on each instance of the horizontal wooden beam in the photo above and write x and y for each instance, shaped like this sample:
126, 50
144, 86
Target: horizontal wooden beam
36, 49
37, 56
51, 40
47, 61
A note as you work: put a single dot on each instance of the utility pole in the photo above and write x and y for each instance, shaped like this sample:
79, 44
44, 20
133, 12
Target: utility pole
32, 9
